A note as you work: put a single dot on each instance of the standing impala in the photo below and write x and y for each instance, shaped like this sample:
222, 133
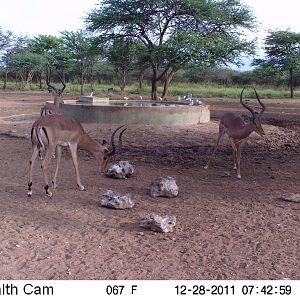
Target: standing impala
237, 130
53, 131
53, 108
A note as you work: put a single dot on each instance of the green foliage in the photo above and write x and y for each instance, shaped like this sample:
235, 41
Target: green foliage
121, 55
52, 48
283, 49
176, 32
25, 64
27, 61
82, 50
6, 38
282, 54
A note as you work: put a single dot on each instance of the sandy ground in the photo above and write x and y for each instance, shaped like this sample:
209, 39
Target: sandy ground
226, 228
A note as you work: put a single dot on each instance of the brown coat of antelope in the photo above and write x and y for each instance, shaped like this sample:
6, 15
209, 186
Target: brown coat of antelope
238, 131
50, 132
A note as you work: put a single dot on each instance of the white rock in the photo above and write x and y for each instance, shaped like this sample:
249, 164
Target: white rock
158, 223
164, 187
113, 200
121, 170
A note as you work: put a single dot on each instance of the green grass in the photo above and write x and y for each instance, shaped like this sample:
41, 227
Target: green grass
200, 91
176, 89
219, 91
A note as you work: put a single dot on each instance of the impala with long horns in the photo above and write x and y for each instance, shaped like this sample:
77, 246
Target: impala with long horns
53, 108
238, 130
50, 132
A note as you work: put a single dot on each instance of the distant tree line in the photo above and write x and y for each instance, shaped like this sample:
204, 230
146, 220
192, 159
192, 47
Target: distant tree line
154, 41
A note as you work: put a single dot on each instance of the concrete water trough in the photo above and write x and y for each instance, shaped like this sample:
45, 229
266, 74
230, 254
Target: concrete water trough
136, 112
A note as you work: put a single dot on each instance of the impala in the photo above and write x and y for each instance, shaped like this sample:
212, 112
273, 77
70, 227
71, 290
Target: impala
53, 108
50, 132
238, 131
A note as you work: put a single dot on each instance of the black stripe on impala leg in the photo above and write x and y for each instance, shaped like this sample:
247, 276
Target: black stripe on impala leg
46, 187
29, 193
46, 134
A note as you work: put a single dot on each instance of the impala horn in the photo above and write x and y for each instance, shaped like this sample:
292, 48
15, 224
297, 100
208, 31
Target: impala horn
245, 105
263, 107
114, 149
60, 91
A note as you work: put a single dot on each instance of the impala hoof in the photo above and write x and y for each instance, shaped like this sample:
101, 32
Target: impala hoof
48, 192
81, 187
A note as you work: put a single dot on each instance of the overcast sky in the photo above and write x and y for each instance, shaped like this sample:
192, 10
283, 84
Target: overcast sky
34, 17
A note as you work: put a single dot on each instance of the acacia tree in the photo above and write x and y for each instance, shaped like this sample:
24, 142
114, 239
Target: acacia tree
25, 64
52, 48
6, 39
81, 48
282, 53
16, 46
176, 32
120, 55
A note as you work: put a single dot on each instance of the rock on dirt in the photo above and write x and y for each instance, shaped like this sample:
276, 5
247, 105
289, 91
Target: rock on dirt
291, 198
159, 223
120, 170
164, 187
112, 200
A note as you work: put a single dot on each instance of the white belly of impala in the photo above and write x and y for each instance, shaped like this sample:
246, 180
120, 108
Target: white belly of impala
63, 144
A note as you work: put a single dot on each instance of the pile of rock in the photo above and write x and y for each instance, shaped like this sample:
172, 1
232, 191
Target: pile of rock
160, 187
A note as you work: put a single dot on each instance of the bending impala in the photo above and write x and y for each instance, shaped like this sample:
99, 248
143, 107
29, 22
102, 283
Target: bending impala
53, 131
53, 108
237, 130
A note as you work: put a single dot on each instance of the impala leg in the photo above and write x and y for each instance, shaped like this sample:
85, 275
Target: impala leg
73, 149
221, 133
58, 159
239, 154
31, 164
234, 153
45, 164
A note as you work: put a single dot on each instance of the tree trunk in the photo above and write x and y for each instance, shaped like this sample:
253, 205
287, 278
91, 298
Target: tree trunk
154, 95
292, 83
81, 78
91, 78
141, 78
5, 79
123, 81
168, 79
28, 79
40, 80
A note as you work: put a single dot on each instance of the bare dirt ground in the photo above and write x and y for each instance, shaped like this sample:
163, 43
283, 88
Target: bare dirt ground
226, 228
